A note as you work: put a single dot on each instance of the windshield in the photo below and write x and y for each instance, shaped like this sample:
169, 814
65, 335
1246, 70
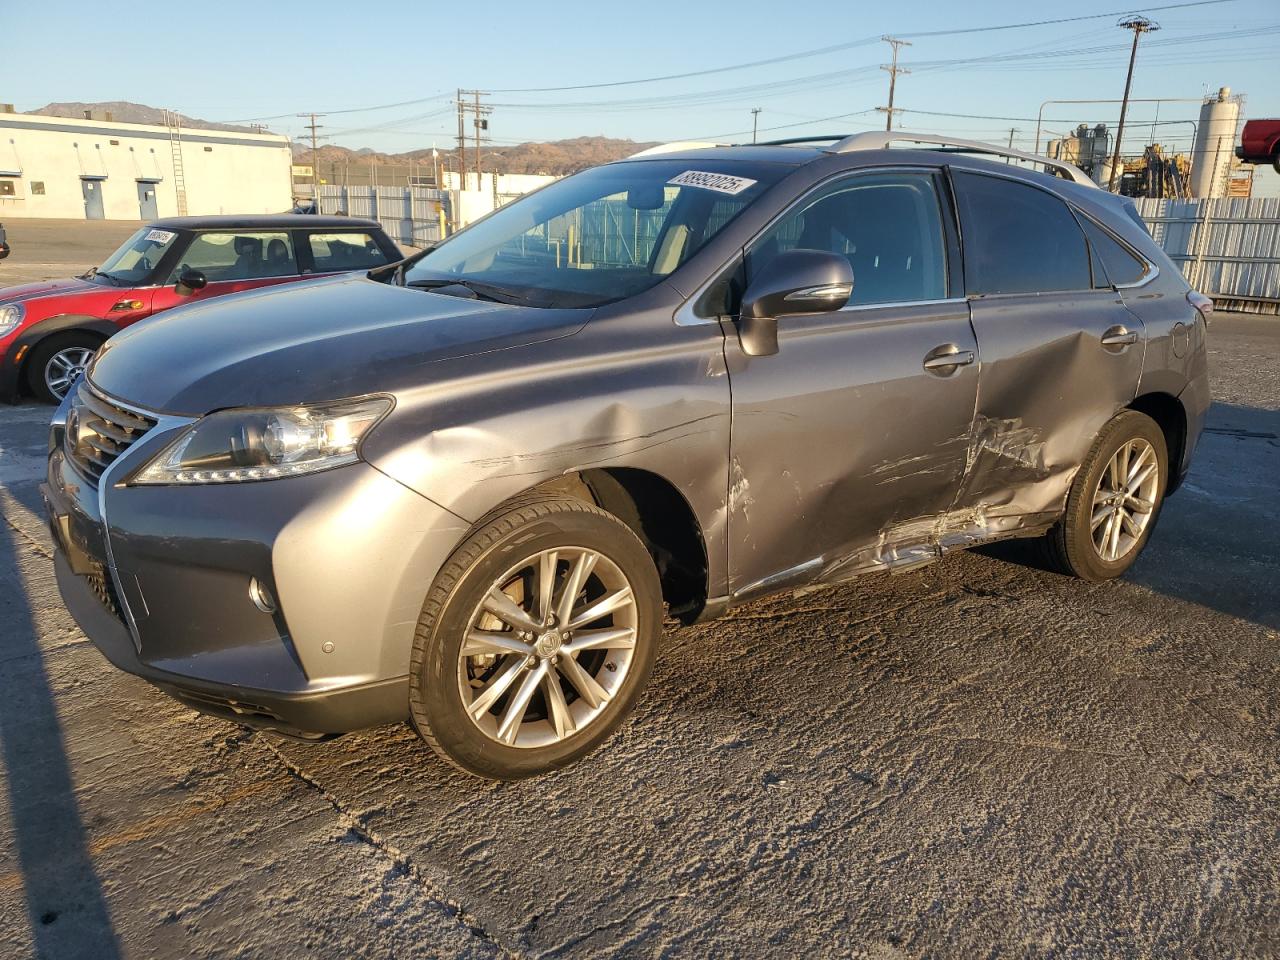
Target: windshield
598, 236
136, 258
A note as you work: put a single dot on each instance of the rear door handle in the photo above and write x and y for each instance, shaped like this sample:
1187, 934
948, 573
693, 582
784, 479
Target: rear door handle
1119, 336
944, 359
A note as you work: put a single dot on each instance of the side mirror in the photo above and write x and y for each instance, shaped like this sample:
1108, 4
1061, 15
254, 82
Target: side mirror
794, 282
189, 281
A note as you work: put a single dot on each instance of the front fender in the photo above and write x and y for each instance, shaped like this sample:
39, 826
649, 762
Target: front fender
14, 360
636, 392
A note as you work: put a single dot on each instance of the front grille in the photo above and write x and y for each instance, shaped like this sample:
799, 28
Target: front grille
98, 431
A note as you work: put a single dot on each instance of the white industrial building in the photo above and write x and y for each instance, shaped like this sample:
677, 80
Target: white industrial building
108, 170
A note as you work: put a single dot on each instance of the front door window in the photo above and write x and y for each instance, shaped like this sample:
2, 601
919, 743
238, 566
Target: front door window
239, 256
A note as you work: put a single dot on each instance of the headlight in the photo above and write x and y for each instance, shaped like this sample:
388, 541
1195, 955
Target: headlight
266, 444
10, 317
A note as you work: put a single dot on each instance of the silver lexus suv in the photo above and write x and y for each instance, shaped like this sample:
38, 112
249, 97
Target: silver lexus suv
466, 489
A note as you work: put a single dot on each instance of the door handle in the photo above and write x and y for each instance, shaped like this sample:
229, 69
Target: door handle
1119, 336
946, 358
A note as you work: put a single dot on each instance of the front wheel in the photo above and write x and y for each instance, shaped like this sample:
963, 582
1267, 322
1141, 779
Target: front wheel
57, 362
1114, 501
536, 640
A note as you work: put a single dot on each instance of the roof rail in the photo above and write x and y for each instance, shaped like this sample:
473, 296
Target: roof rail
883, 139
790, 140
675, 146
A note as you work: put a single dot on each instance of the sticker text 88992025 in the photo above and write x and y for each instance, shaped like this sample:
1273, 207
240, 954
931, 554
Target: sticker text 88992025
719, 182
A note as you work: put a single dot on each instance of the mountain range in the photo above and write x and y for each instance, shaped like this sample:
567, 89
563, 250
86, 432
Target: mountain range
555, 157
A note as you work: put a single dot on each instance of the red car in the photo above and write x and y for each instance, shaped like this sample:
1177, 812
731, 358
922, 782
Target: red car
50, 330
1260, 142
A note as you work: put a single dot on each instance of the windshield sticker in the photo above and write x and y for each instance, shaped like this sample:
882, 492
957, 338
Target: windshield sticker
719, 182
160, 236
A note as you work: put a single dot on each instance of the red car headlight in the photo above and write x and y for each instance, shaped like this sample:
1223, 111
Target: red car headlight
11, 315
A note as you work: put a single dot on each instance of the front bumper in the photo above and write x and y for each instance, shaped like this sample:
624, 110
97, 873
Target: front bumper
158, 578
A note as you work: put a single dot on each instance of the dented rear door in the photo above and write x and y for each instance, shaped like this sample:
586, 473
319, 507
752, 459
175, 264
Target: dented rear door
1059, 357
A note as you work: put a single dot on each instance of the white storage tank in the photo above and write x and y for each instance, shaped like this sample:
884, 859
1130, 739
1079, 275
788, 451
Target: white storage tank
1215, 144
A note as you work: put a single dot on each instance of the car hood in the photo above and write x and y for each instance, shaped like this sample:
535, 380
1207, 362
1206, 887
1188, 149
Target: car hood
44, 288
306, 343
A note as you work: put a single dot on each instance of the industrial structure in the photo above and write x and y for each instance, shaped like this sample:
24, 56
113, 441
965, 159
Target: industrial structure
1213, 155
1209, 171
103, 169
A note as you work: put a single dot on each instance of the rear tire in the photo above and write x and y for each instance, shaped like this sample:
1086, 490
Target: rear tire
520, 685
57, 361
1114, 502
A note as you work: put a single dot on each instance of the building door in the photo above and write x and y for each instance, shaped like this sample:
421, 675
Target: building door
147, 208
92, 190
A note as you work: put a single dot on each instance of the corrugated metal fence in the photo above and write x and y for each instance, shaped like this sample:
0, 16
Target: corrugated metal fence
1229, 249
410, 215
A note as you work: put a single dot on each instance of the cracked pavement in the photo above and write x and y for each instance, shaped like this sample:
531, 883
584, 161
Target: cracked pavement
975, 758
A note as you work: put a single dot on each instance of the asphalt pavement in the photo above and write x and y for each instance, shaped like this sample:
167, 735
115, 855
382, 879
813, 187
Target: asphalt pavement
976, 759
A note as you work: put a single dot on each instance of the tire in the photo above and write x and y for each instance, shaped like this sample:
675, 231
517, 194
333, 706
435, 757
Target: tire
63, 354
451, 696
1072, 547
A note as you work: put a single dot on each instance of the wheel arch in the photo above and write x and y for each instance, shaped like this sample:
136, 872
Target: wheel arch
660, 515
64, 323
1169, 414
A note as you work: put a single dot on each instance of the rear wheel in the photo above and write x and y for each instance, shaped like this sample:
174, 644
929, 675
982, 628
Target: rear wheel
57, 361
1114, 501
535, 641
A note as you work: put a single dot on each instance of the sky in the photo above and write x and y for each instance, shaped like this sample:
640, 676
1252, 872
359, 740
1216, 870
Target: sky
810, 66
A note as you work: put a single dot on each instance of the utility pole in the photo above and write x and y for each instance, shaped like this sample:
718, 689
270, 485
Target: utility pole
462, 142
315, 156
893, 70
755, 117
476, 119
1012, 131
480, 124
1139, 26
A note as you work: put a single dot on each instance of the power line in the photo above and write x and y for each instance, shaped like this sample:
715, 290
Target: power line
1045, 23
799, 55
835, 48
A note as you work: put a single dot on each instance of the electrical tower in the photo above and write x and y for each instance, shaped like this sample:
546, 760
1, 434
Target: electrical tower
1139, 26
893, 70
315, 156
480, 126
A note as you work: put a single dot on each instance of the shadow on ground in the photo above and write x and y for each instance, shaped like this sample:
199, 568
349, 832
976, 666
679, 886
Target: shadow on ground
66, 906
1219, 535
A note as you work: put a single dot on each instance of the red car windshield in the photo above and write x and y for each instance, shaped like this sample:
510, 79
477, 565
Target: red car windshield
135, 259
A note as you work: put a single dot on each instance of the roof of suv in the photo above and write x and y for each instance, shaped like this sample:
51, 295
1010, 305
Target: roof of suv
869, 148
288, 221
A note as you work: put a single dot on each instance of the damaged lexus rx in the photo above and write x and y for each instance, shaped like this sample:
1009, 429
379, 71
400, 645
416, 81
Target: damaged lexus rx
465, 490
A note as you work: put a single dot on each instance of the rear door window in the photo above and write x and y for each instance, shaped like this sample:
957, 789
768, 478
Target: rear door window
341, 251
1018, 238
238, 256
1112, 261
888, 225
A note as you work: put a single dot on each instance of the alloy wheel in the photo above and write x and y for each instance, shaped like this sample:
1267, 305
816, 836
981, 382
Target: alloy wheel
1125, 499
62, 369
548, 647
